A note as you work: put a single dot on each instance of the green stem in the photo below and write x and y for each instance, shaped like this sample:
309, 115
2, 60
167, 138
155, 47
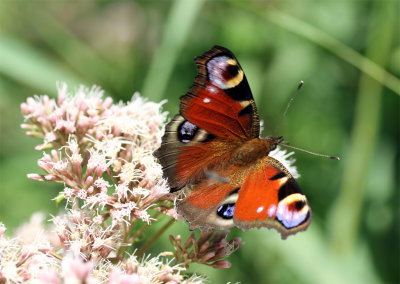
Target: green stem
366, 65
142, 229
155, 237
180, 20
110, 175
123, 247
347, 210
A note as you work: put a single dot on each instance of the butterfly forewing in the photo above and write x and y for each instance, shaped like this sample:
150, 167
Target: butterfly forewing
221, 90
217, 113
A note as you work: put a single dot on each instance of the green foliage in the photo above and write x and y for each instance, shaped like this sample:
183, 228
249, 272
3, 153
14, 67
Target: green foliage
345, 51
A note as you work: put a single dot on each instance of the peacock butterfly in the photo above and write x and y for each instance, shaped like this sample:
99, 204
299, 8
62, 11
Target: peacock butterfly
212, 151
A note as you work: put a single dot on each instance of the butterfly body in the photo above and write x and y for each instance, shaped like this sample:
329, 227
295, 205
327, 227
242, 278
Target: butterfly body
252, 150
212, 152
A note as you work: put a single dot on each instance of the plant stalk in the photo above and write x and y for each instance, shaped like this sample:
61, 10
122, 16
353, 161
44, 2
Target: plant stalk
155, 237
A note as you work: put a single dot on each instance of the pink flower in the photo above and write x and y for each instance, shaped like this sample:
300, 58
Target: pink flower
102, 154
118, 277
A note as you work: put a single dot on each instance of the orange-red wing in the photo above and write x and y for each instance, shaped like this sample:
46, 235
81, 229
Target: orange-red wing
271, 198
206, 197
216, 112
220, 100
258, 195
193, 160
200, 206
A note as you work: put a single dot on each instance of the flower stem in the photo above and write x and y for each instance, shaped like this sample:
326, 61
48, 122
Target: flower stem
365, 132
123, 246
110, 175
155, 237
142, 229
176, 29
52, 253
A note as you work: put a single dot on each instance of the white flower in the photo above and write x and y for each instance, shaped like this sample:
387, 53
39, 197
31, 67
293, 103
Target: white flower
102, 184
110, 146
68, 192
121, 191
144, 216
97, 160
153, 170
73, 147
284, 159
130, 173
60, 165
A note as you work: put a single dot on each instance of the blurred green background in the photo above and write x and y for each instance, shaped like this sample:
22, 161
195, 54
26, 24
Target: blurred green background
347, 53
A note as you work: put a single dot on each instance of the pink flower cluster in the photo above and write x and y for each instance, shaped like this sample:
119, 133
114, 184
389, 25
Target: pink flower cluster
101, 153
210, 248
37, 262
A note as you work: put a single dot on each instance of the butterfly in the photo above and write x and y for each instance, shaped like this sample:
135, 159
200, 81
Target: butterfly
212, 152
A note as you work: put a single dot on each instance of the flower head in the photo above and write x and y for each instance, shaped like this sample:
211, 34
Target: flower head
102, 155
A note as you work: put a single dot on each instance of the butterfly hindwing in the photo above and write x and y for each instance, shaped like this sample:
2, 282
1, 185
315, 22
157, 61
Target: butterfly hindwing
267, 197
200, 207
270, 197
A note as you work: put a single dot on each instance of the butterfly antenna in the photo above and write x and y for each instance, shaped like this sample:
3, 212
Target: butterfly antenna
288, 105
309, 152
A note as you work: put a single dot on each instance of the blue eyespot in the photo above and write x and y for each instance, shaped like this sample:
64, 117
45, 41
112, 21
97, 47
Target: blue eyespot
187, 131
226, 210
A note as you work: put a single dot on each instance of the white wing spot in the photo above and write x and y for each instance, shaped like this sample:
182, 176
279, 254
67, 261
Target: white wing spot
206, 100
260, 209
271, 210
212, 89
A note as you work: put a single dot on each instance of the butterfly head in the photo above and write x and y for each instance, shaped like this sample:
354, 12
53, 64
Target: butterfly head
273, 142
